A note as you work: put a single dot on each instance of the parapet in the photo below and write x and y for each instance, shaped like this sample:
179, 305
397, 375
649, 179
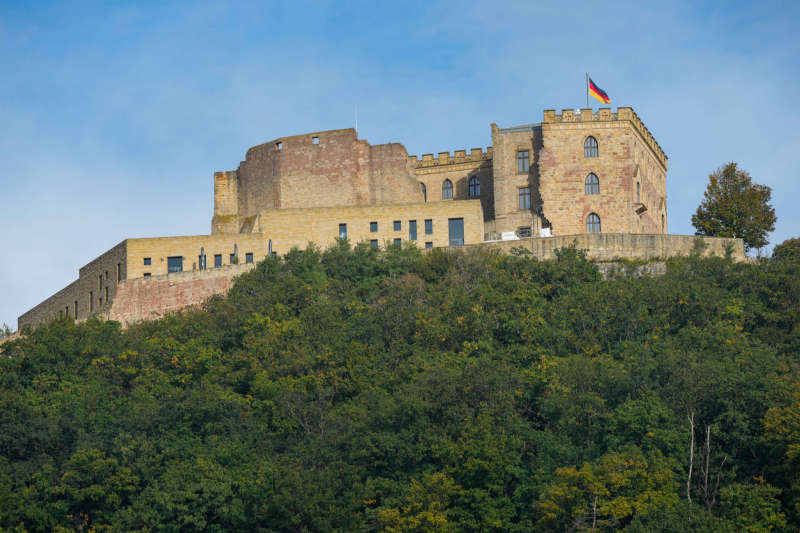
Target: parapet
475, 155
604, 114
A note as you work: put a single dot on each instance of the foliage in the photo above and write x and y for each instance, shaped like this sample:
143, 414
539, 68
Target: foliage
734, 206
357, 389
788, 250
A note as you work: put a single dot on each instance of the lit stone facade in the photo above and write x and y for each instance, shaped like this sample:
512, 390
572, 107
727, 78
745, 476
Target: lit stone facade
316, 187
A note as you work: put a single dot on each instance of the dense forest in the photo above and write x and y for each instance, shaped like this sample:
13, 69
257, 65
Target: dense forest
356, 389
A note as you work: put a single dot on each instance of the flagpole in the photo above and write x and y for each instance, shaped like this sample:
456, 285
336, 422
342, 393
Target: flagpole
587, 90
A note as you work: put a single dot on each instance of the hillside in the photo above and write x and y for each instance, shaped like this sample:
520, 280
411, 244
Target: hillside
366, 390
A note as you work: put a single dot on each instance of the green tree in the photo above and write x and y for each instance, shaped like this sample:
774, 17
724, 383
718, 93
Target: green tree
788, 250
734, 206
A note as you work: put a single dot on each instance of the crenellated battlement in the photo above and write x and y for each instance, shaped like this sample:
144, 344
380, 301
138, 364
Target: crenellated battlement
604, 114
475, 155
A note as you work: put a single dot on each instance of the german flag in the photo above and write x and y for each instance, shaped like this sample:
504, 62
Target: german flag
598, 93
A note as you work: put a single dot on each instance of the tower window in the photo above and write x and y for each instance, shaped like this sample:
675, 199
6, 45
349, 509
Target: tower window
373, 227
342, 231
315, 140
217, 260
593, 223
248, 257
592, 184
474, 187
447, 190
590, 147
279, 146
523, 161
147, 261
524, 198
424, 192
398, 226
412, 230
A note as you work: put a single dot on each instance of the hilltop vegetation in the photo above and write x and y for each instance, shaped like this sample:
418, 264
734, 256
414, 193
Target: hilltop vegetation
366, 390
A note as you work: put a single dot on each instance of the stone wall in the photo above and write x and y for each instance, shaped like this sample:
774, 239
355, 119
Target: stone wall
288, 228
151, 298
323, 169
611, 246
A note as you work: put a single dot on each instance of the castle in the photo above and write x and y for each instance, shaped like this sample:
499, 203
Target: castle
600, 176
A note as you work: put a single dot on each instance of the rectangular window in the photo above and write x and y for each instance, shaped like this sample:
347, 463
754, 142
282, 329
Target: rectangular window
233, 259
315, 140
373, 227
456, 227
279, 146
248, 257
398, 226
100, 282
374, 243
428, 226
106, 293
146, 261
91, 301
106, 275
342, 231
524, 231
174, 264
412, 230
119, 271
429, 245
524, 198
146, 274
76, 309
217, 260
398, 242
523, 161
199, 262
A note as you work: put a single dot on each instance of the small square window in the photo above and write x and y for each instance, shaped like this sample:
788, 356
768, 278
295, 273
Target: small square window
428, 226
146, 261
373, 227
524, 232
398, 242
279, 146
374, 243
315, 140
398, 226
217, 260
248, 257
429, 245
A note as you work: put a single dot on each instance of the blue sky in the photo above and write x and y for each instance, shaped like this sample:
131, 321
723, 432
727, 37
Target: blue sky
117, 114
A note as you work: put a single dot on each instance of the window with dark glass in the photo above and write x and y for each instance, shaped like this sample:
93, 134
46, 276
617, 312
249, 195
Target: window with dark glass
429, 245
91, 301
76, 309
146, 274
474, 187
447, 190
412, 230
398, 226
233, 259
524, 198
424, 192
397, 242
373, 227
524, 232
374, 243
248, 257
456, 231
593, 223
146, 261
592, 184
428, 226
590, 147
175, 264
217, 260
342, 231
523, 161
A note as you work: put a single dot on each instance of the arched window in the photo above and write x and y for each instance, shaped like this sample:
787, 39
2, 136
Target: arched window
638, 195
447, 190
474, 187
663, 224
592, 184
593, 223
590, 147
424, 192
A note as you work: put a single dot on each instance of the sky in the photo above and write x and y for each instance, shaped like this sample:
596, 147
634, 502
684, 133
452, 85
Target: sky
117, 114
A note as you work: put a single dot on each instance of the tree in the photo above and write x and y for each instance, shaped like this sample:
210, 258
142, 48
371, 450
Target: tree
788, 250
734, 206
